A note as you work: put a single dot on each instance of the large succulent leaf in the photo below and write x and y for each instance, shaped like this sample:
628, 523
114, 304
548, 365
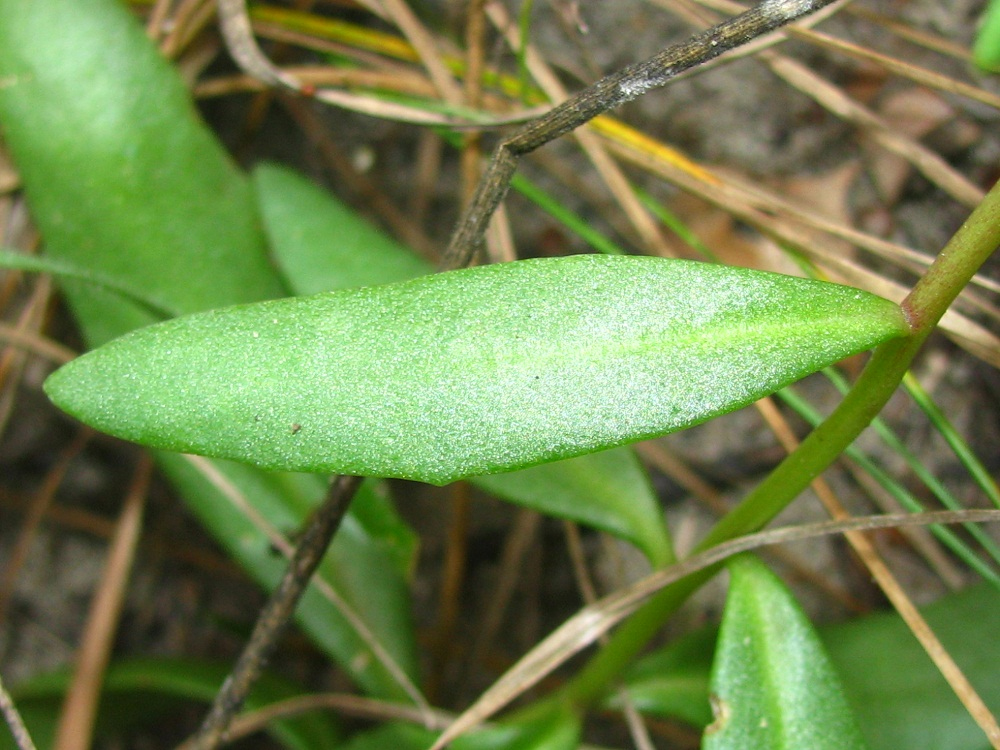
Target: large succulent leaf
773, 685
470, 372
319, 245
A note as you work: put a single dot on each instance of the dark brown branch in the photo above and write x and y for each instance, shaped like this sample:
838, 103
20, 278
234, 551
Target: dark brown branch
606, 94
276, 613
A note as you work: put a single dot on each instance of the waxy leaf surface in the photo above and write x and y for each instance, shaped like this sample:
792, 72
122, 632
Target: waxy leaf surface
320, 246
774, 687
470, 372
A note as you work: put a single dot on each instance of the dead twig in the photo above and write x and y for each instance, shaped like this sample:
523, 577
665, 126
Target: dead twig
611, 91
276, 613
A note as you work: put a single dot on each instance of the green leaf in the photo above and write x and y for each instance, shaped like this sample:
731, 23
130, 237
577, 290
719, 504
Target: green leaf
470, 372
121, 175
773, 685
608, 490
986, 50
319, 244
133, 193
898, 696
139, 690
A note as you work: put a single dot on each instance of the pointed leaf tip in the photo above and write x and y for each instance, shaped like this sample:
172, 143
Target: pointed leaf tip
470, 372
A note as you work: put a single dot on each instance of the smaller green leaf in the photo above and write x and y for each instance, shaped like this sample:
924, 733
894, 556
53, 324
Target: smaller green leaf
319, 244
470, 372
773, 685
608, 491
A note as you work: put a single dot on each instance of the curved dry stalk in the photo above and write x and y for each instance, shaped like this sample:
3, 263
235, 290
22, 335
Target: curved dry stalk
234, 22
347, 705
592, 622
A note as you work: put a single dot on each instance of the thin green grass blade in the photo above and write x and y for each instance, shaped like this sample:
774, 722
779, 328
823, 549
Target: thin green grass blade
19, 261
900, 493
563, 215
939, 490
947, 430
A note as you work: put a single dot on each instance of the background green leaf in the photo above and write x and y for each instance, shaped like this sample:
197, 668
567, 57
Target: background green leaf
470, 372
897, 694
672, 682
609, 491
319, 244
773, 684
121, 175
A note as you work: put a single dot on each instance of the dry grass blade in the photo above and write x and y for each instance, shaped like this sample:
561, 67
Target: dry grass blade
22, 739
234, 21
37, 344
584, 628
915, 73
936, 169
76, 721
37, 510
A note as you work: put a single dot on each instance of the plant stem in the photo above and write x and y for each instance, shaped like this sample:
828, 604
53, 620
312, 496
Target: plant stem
971, 245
